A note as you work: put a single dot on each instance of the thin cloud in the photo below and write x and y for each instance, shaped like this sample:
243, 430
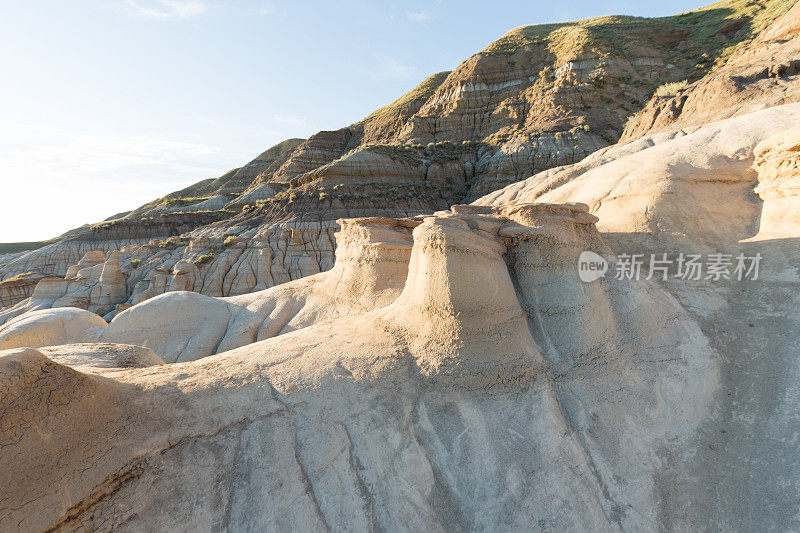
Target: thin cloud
86, 178
70, 156
418, 16
424, 15
168, 9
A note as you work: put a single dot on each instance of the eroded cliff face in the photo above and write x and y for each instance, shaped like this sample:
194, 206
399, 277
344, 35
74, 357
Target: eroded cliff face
761, 74
546, 96
438, 398
538, 98
449, 370
211, 263
17, 288
777, 161
668, 186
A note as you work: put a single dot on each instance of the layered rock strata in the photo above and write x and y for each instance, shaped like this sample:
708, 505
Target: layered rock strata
17, 288
777, 161
669, 185
538, 98
762, 74
446, 404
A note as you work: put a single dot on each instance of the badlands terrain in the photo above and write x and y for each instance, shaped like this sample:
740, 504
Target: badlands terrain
384, 327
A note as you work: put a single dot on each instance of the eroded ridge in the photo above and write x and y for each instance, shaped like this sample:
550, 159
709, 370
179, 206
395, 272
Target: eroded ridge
449, 369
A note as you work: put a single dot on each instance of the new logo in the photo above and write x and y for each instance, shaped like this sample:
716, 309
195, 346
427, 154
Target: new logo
591, 267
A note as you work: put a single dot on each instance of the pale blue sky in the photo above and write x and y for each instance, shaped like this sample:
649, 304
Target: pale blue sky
106, 104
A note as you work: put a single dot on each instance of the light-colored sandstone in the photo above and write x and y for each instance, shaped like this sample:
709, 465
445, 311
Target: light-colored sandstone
777, 161
87, 357
450, 371
48, 327
669, 185
453, 384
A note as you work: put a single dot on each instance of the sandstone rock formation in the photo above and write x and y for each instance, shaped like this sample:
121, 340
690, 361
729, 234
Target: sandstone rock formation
262, 257
708, 177
537, 98
95, 284
17, 288
430, 386
761, 74
669, 186
449, 370
778, 165
48, 327
370, 270
94, 356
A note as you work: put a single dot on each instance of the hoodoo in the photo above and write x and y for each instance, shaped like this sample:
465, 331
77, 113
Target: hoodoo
554, 289
459, 304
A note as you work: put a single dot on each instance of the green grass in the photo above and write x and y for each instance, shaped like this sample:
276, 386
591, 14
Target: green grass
722, 28
614, 32
420, 93
173, 244
630, 121
181, 202
192, 191
16, 247
117, 216
204, 217
446, 151
671, 89
711, 33
211, 251
203, 259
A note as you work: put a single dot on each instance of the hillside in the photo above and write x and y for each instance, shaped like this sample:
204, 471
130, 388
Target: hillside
537, 98
451, 370
761, 74
331, 338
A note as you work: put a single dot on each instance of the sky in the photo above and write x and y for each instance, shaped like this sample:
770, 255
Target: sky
108, 104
